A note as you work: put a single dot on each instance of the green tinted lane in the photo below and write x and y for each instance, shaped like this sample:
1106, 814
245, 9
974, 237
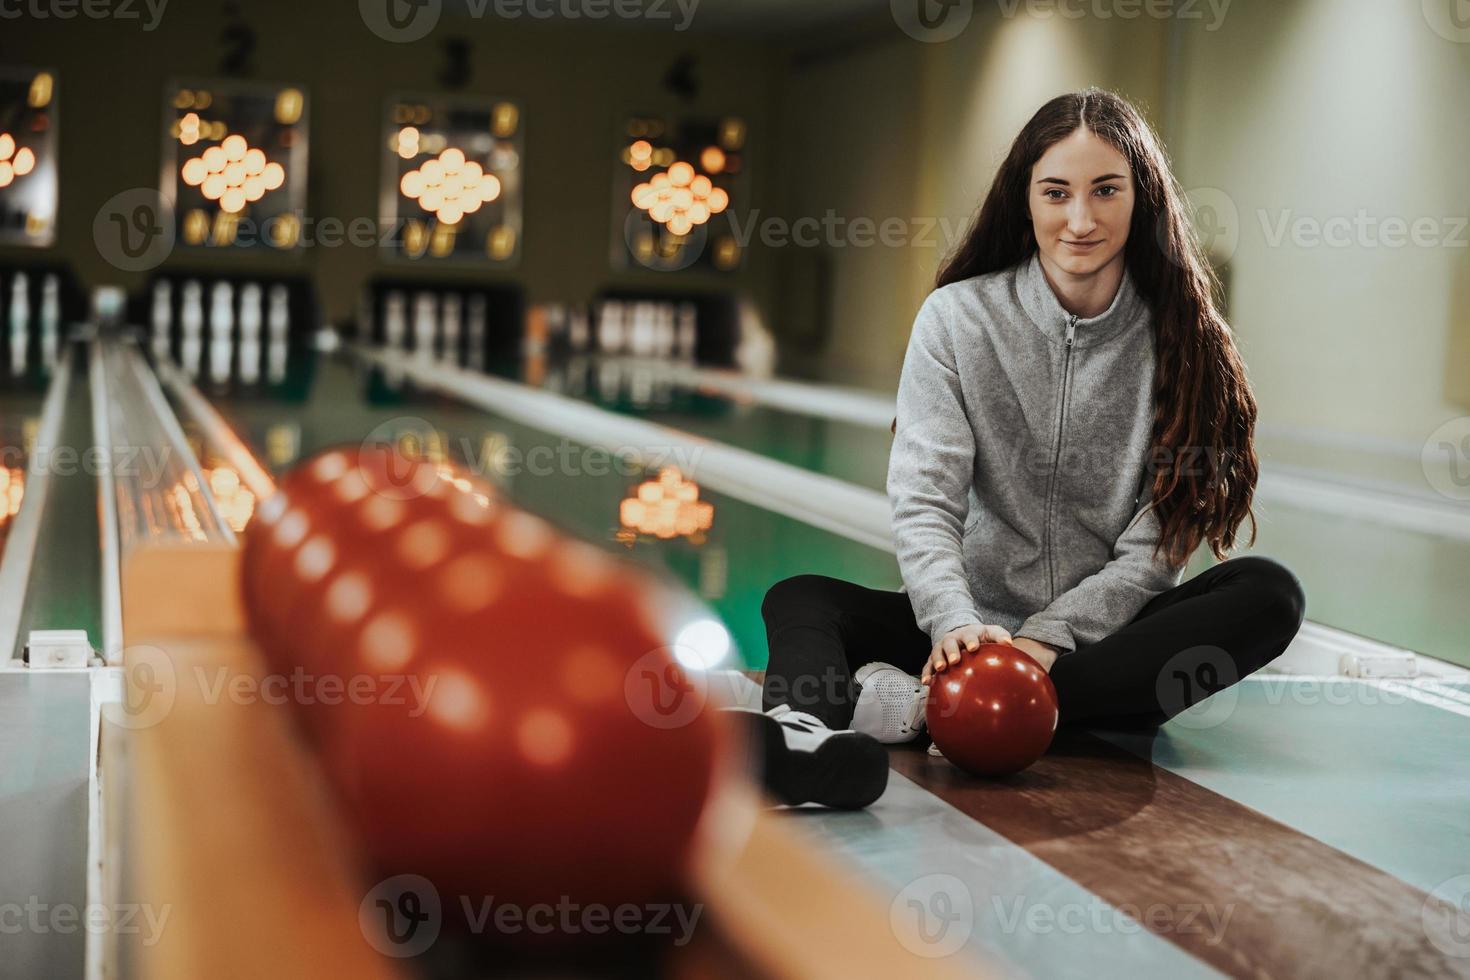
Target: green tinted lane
65, 585
745, 550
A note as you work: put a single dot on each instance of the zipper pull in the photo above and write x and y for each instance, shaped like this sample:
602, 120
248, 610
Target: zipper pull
1071, 331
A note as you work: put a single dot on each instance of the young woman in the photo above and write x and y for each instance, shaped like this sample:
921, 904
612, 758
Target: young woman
1074, 420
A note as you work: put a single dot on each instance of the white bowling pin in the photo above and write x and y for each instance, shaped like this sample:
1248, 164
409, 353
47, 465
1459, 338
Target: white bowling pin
453, 320
425, 324
20, 323
475, 327
395, 321
251, 317
50, 321
163, 319
221, 331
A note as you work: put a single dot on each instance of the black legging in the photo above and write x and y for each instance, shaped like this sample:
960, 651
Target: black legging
1189, 642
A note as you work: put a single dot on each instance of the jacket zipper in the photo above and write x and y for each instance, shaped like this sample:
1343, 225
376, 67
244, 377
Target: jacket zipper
1056, 459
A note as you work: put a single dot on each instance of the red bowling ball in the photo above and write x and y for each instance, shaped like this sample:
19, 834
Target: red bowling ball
993, 713
514, 736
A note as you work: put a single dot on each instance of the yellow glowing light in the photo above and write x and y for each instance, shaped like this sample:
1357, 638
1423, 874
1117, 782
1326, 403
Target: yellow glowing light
7, 174
680, 198
732, 134
712, 160
289, 105
500, 243
450, 186
12, 491
407, 142
7, 146
667, 507
233, 173
40, 94
504, 119
236, 501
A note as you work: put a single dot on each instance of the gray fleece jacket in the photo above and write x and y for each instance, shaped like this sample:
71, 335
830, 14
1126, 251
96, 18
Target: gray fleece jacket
1018, 470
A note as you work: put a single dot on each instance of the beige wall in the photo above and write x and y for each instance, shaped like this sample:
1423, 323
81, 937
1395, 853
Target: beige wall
1319, 109
1302, 109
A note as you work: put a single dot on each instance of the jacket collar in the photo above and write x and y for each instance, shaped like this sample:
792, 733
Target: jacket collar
1045, 310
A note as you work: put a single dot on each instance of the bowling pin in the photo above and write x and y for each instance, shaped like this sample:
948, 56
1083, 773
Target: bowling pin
191, 327
395, 321
610, 333
453, 319
666, 333
640, 337
250, 324
50, 321
577, 330
366, 331
687, 332
278, 332
475, 328
20, 323
163, 320
425, 324
221, 331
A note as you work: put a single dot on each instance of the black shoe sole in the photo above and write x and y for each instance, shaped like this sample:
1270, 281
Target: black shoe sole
846, 772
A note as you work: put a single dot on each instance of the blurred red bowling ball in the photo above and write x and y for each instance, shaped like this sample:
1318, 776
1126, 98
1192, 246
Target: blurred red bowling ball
521, 728
993, 713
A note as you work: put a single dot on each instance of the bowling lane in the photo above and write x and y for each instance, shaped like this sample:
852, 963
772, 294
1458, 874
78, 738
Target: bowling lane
573, 484
824, 435
51, 574
1302, 749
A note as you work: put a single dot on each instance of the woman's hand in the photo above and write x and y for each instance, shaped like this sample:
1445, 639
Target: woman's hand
947, 651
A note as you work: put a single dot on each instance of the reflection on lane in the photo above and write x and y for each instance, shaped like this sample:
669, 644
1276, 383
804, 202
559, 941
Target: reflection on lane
20, 419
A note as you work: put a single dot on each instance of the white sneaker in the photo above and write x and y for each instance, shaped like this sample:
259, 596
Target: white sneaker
890, 704
804, 761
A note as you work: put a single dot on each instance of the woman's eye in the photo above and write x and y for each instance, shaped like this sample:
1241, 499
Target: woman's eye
1108, 187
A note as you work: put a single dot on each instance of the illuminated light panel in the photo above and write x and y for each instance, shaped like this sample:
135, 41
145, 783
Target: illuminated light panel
667, 507
234, 174
680, 198
450, 187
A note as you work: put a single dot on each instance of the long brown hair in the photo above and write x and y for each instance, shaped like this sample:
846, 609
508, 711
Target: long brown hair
1203, 405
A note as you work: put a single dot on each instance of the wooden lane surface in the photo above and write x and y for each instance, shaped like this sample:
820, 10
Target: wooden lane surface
229, 828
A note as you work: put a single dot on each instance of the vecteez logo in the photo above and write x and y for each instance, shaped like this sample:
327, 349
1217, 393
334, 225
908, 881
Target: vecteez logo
401, 21
134, 230
932, 21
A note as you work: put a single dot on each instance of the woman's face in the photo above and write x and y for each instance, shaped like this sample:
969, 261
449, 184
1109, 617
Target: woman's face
1081, 203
